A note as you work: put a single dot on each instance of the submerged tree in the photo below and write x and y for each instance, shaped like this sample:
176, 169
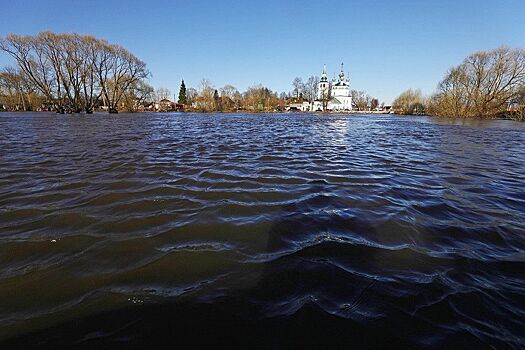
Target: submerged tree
75, 71
137, 96
409, 102
485, 85
16, 92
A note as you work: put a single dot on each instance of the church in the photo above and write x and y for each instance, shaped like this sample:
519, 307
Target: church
333, 96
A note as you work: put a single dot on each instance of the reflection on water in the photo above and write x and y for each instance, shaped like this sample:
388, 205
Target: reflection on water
293, 229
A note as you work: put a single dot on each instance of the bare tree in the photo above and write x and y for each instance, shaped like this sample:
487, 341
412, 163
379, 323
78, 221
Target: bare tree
298, 87
138, 94
361, 100
374, 103
229, 91
260, 99
191, 95
162, 94
75, 71
410, 102
16, 91
312, 88
205, 100
228, 96
484, 85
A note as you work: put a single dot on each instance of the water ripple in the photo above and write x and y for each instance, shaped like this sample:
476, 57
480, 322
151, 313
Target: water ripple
408, 231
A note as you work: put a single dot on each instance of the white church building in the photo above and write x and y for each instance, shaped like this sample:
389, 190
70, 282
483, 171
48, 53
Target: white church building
334, 95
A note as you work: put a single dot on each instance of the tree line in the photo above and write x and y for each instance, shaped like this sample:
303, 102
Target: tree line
208, 98
71, 72
487, 84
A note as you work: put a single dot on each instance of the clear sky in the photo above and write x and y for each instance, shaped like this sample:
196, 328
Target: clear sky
387, 46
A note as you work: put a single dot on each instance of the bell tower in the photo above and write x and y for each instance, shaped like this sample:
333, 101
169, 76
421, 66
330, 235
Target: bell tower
324, 86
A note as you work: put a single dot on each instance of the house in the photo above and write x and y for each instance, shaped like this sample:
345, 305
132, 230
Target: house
299, 105
164, 105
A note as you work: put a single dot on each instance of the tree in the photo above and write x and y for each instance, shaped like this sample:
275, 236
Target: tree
409, 102
518, 106
360, 99
259, 99
229, 91
182, 94
229, 95
138, 94
237, 100
191, 96
205, 101
298, 87
374, 103
217, 100
484, 85
162, 94
75, 71
312, 88
16, 92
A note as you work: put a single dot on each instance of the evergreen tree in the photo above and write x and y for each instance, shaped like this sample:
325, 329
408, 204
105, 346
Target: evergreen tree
182, 94
217, 100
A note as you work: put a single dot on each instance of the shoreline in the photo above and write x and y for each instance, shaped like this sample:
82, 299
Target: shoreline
207, 112
274, 112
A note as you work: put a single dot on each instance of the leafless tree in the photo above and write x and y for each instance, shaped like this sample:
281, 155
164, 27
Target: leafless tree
259, 98
205, 101
361, 100
484, 85
15, 91
298, 87
75, 71
374, 103
137, 96
162, 94
229, 91
410, 102
191, 95
312, 88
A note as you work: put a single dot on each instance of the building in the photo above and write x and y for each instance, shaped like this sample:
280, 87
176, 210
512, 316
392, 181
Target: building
303, 106
334, 95
164, 105
323, 93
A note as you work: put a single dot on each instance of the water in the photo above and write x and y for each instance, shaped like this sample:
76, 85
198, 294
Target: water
261, 231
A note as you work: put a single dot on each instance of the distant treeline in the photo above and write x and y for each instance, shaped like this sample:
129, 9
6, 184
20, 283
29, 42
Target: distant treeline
488, 84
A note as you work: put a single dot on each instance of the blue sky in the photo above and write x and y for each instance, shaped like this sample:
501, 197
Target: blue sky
387, 46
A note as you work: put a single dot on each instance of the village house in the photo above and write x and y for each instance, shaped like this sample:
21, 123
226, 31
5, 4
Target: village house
164, 105
302, 106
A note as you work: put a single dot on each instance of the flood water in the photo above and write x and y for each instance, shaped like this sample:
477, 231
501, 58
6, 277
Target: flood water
261, 231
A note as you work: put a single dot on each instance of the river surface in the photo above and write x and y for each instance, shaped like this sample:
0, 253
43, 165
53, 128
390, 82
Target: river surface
257, 231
